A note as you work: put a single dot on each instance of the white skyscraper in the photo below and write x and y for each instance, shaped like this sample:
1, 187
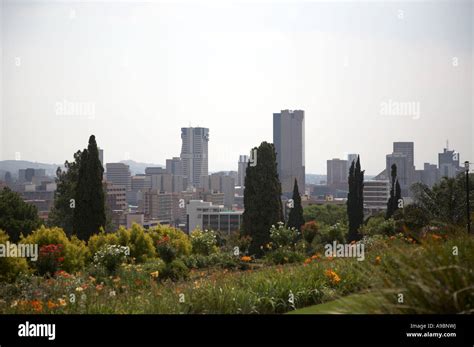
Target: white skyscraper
194, 154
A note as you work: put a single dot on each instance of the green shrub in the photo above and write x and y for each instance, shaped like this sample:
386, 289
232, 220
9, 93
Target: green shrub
176, 270
110, 257
179, 241
11, 268
73, 251
141, 244
166, 250
328, 234
203, 242
223, 260
378, 225
310, 230
98, 241
284, 256
282, 236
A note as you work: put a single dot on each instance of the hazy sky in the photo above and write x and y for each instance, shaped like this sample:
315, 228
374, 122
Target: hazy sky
138, 72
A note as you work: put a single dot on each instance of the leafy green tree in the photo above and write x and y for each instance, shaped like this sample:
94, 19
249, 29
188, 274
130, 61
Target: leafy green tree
355, 201
62, 213
328, 214
89, 214
16, 216
262, 198
296, 219
445, 201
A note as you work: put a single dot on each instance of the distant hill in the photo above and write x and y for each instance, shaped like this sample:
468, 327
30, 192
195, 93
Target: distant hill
137, 168
14, 165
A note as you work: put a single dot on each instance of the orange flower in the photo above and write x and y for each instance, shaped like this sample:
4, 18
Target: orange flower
307, 261
52, 305
99, 287
378, 260
36, 305
246, 258
332, 276
316, 256
436, 237
62, 302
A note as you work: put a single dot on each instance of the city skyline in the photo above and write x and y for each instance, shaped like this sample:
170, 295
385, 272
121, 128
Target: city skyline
367, 75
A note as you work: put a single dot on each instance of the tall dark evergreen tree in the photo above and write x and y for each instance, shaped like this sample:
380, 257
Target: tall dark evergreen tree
355, 200
89, 212
262, 198
62, 213
296, 219
395, 193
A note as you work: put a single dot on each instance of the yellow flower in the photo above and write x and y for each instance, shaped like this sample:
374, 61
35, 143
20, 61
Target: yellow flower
62, 302
79, 289
378, 260
155, 274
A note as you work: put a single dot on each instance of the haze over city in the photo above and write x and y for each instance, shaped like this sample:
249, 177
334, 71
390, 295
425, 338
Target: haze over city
143, 71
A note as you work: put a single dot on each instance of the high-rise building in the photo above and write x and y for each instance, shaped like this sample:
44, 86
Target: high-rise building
350, 158
407, 148
430, 174
448, 163
101, 156
289, 141
158, 205
194, 154
116, 197
376, 194
401, 161
337, 173
242, 170
119, 174
174, 166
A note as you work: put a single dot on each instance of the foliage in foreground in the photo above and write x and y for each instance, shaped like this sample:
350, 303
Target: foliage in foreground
431, 278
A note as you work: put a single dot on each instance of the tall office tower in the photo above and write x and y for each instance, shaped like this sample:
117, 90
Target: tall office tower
242, 169
174, 166
289, 141
430, 174
337, 173
401, 161
448, 163
350, 158
101, 156
119, 174
194, 154
406, 148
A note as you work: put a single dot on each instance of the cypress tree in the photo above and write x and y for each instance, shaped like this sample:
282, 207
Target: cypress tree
296, 219
395, 193
262, 198
355, 200
89, 213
